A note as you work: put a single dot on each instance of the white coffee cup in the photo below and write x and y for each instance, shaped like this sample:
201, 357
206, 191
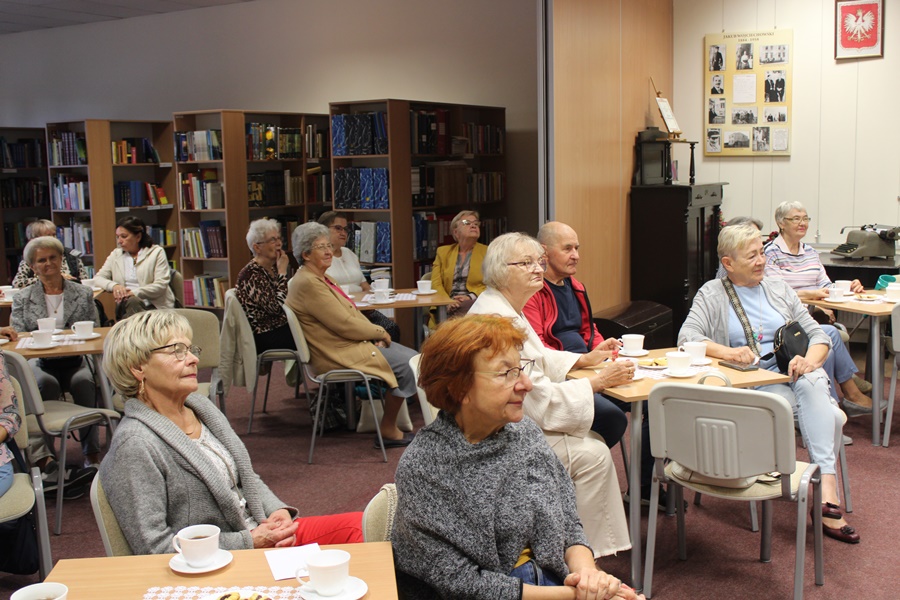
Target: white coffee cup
4, 289
47, 324
835, 293
197, 544
381, 284
329, 571
346, 289
83, 328
424, 286
678, 362
697, 350
632, 342
843, 284
382, 296
42, 339
10, 293
47, 590
88, 282
892, 292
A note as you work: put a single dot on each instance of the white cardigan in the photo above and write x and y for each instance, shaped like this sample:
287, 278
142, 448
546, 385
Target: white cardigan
152, 272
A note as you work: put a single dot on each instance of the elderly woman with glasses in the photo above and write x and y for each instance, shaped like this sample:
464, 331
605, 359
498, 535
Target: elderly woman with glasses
568, 410
72, 267
457, 267
339, 336
174, 460
798, 264
262, 287
484, 507
767, 303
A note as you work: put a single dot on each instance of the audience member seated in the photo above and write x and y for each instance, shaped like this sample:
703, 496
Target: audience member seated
137, 272
10, 421
67, 302
457, 267
798, 264
345, 270
484, 507
564, 408
721, 272
174, 459
769, 303
72, 267
262, 287
339, 336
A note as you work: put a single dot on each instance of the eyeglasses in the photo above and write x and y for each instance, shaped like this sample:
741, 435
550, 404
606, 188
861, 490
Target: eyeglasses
529, 265
180, 350
467, 222
339, 228
328, 246
272, 240
798, 220
511, 376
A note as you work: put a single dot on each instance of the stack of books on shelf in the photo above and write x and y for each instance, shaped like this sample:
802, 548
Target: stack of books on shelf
371, 241
484, 139
270, 142
428, 230
269, 188
315, 142
138, 193
26, 153
161, 235
134, 151
206, 290
361, 188
23, 192
77, 235
67, 148
205, 241
440, 184
318, 185
196, 146
428, 131
202, 190
486, 187
359, 134
69, 192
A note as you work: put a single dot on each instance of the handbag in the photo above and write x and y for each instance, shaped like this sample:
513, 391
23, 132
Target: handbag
790, 340
19, 538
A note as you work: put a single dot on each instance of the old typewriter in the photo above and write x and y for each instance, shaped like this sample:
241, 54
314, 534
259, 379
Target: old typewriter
868, 241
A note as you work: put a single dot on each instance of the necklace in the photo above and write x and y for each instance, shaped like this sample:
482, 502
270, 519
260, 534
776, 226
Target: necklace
759, 335
55, 303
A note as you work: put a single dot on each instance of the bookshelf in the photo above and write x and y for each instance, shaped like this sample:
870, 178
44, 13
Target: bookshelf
24, 191
235, 166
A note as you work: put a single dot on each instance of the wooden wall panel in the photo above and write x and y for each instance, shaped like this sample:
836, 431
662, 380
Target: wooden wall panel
604, 52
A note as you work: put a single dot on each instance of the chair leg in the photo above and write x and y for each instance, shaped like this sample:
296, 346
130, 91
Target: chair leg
890, 409
754, 517
651, 534
818, 534
253, 398
765, 540
266, 395
60, 480
698, 498
679, 514
377, 427
845, 479
625, 459
315, 427
43, 536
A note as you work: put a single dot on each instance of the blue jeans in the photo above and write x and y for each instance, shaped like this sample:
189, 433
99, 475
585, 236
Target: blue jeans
531, 573
839, 365
6, 477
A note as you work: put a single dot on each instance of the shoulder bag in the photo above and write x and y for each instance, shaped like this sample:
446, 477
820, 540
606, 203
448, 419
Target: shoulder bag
18, 538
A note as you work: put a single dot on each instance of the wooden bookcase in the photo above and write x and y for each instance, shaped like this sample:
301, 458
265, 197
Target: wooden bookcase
238, 167
24, 191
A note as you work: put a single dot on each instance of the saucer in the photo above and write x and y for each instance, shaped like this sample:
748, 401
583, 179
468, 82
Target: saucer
678, 374
361, 304
356, 588
701, 362
84, 338
55, 331
635, 353
47, 347
418, 293
3, 341
844, 299
222, 558
373, 290
97, 288
891, 300
388, 301
244, 593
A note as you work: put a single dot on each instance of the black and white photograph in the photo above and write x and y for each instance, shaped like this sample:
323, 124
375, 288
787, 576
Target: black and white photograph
716, 111
773, 54
717, 87
713, 140
744, 57
774, 86
760, 139
747, 115
775, 114
717, 58
736, 139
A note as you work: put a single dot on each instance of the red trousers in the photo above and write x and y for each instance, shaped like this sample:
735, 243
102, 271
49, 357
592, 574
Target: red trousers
344, 528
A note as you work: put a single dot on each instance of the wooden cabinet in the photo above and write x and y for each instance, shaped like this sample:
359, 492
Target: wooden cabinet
674, 233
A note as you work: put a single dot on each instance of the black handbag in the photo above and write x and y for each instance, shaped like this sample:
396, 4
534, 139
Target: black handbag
19, 538
790, 340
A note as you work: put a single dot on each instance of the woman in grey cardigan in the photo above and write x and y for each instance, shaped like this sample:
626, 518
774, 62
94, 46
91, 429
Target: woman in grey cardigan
175, 461
485, 509
68, 302
768, 304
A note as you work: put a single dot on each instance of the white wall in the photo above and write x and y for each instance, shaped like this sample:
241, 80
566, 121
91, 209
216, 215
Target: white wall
845, 158
288, 55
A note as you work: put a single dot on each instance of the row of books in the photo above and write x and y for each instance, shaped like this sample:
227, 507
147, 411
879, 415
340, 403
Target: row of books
484, 139
77, 235
195, 146
274, 188
429, 131
133, 151
67, 148
69, 192
318, 185
202, 190
266, 141
206, 290
361, 187
205, 241
371, 241
24, 192
14, 235
315, 142
432, 230
359, 134
25, 153
486, 187
161, 235
138, 193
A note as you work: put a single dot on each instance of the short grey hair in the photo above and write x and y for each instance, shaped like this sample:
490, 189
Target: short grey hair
459, 217
45, 242
742, 220
258, 231
39, 228
735, 237
304, 237
508, 247
130, 342
784, 208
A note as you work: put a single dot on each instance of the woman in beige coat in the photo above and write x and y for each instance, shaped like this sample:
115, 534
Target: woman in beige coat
339, 336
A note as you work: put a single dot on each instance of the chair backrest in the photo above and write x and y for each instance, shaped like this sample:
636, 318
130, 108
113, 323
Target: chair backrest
176, 284
21, 436
895, 328
722, 432
206, 334
429, 412
378, 518
234, 306
114, 541
18, 367
297, 332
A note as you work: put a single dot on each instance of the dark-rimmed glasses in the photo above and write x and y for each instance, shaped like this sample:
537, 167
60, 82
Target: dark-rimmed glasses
511, 376
340, 228
180, 350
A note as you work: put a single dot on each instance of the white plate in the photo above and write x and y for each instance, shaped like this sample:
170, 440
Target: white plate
653, 367
356, 588
634, 354
891, 300
3, 341
373, 290
34, 346
638, 376
701, 362
97, 288
418, 293
84, 338
388, 301
361, 304
678, 374
222, 558
55, 331
875, 299
244, 592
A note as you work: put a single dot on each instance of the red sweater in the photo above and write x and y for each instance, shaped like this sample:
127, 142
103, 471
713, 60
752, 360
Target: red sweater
541, 311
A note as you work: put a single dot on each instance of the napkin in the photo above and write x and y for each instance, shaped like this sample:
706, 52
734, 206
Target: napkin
287, 563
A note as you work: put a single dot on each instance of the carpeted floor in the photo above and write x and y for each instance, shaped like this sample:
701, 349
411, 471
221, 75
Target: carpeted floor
722, 551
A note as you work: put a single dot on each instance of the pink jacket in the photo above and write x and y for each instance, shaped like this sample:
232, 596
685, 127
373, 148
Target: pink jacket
542, 312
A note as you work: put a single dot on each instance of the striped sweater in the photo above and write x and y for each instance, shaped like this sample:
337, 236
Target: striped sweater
802, 271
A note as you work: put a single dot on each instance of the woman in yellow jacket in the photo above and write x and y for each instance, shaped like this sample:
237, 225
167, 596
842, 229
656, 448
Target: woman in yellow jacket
457, 267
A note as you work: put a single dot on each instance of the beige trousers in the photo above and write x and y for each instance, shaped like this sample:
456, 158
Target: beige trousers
597, 493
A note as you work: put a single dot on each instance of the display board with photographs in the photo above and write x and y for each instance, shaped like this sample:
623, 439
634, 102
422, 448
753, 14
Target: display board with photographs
748, 81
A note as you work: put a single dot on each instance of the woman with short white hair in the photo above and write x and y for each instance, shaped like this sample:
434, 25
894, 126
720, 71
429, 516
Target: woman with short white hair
72, 267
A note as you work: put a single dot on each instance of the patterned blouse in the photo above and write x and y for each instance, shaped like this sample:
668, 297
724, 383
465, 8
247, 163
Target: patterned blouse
262, 295
9, 414
802, 271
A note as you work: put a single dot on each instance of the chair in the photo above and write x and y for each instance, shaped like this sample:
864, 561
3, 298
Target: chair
55, 419
205, 326
114, 541
27, 496
176, 284
429, 412
895, 347
726, 433
241, 333
378, 518
334, 376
